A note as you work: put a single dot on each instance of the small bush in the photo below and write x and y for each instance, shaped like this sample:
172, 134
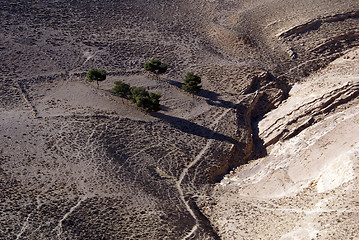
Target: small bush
192, 82
149, 101
155, 102
97, 75
156, 66
137, 92
121, 89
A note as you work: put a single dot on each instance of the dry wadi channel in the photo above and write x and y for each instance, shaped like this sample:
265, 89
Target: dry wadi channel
268, 149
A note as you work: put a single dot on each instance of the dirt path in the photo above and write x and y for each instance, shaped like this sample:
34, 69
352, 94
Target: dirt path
191, 164
59, 225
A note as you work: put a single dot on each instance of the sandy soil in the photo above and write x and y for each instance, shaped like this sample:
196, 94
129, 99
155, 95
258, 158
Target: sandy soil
77, 162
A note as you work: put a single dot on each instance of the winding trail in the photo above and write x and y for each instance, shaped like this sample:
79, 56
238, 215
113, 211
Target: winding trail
25, 97
59, 226
87, 194
24, 226
191, 164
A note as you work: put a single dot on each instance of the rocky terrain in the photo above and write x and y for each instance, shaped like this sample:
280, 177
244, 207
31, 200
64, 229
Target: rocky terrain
279, 101
307, 185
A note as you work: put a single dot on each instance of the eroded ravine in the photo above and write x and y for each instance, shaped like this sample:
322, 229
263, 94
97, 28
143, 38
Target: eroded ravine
308, 181
191, 164
135, 176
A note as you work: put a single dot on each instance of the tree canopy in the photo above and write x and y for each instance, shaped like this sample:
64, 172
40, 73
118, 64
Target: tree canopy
156, 66
191, 83
121, 89
97, 75
149, 101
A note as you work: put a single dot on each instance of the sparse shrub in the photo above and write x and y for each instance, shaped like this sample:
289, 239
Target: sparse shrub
97, 75
146, 100
121, 89
137, 92
155, 102
149, 101
156, 67
191, 83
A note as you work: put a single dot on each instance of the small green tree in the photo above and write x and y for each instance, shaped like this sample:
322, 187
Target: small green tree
191, 83
156, 67
155, 102
137, 93
97, 75
144, 99
121, 89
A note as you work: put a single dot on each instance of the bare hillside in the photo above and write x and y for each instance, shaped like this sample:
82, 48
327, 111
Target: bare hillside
78, 162
308, 182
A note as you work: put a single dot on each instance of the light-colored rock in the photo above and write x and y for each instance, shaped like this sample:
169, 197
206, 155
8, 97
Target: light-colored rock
307, 186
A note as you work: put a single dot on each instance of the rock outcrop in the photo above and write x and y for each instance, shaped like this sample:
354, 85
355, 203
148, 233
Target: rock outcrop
308, 182
77, 162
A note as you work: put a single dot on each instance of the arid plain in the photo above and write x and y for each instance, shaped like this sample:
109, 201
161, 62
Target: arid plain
267, 150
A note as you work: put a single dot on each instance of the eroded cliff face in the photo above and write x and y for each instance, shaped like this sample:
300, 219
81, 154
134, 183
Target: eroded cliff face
261, 95
307, 185
77, 162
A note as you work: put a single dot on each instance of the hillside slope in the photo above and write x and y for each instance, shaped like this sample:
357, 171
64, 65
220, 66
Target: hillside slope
77, 162
308, 182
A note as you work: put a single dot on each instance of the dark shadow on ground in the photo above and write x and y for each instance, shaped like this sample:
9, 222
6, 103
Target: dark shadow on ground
175, 83
212, 98
164, 108
192, 128
260, 150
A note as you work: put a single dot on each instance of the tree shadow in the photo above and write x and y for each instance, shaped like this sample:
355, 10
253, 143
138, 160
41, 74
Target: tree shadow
164, 108
175, 83
211, 97
192, 128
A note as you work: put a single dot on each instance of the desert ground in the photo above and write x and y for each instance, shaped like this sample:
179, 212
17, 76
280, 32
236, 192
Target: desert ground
306, 187
268, 149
